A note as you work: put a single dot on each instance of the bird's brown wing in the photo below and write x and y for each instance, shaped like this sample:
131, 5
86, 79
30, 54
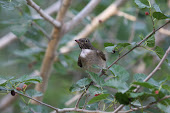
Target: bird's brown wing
101, 54
79, 62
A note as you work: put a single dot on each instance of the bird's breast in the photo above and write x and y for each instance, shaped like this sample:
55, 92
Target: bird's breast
89, 58
85, 52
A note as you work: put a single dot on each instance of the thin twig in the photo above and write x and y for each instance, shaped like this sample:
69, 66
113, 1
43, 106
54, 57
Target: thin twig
42, 103
76, 106
84, 107
55, 23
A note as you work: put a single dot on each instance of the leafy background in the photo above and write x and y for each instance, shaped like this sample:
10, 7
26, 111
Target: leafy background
25, 54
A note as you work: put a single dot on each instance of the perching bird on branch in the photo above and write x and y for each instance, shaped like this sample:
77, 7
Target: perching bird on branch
90, 56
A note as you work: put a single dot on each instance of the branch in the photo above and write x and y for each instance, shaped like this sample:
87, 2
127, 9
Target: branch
50, 51
102, 17
82, 14
127, 16
149, 105
55, 23
64, 109
50, 10
7, 39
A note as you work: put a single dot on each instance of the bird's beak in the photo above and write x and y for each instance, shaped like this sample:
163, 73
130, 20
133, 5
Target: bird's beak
77, 41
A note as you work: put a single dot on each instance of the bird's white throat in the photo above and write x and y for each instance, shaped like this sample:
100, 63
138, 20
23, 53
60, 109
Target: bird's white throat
85, 52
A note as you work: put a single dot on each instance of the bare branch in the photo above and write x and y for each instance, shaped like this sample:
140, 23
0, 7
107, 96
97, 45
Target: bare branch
79, 17
127, 16
149, 105
50, 10
50, 51
102, 17
7, 39
43, 14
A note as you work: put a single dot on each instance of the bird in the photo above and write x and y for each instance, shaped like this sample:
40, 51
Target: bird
90, 56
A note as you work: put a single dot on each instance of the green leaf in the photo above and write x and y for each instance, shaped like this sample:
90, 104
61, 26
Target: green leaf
98, 80
159, 51
136, 95
141, 36
119, 85
140, 77
98, 98
122, 98
140, 4
120, 72
166, 87
164, 108
95, 90
33, 93
159, 15
156, 7
123, 45
30, 79
108, 44
145, 84
5, 80
110, 48
83, 82
75, 87
151, 42
140, 96
2, 81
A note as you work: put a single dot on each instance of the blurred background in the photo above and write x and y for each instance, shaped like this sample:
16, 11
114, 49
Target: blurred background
24, 54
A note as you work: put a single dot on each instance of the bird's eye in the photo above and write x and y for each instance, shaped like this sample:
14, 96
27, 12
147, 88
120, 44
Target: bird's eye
86, 40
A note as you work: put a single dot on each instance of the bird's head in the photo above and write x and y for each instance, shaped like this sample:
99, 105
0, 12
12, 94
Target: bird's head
84, 43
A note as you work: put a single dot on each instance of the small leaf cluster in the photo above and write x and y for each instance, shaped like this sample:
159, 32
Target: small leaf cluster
20, 84
157, 13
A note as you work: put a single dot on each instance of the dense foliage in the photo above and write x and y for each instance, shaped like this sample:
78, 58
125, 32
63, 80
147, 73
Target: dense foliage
117, 35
